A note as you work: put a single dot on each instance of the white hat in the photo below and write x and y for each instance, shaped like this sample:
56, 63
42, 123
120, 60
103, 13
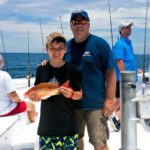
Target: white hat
125, 24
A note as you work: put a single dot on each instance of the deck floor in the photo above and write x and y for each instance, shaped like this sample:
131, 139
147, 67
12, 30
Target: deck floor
114, 142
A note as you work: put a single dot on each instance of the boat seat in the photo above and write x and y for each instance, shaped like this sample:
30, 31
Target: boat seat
27, 139
10, 126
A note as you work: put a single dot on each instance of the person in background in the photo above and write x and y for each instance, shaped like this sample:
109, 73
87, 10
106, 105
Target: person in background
57, 127
10, 102
93, 56
124, 60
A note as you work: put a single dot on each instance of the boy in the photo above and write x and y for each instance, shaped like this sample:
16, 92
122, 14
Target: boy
57, 127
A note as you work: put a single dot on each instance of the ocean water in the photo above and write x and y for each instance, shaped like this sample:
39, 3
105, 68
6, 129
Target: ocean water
17, 63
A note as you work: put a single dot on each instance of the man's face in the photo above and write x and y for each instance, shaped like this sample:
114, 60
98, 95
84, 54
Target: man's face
80, 28
126, 31
56, 51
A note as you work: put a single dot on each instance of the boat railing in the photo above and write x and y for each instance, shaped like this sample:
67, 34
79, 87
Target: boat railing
134, 108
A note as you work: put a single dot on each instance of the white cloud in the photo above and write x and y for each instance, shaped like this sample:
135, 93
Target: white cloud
140, 1
17, 17
2, 2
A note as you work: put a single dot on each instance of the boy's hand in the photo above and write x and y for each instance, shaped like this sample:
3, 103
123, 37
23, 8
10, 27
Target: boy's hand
34, 97
67, 92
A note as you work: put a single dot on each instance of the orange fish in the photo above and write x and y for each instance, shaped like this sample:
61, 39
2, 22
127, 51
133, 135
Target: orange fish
46, 90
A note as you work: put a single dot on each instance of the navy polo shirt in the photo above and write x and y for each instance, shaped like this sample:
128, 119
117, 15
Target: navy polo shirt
93, 57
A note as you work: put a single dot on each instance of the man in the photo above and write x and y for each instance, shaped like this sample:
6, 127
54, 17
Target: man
10, 102
93, 56
124, 60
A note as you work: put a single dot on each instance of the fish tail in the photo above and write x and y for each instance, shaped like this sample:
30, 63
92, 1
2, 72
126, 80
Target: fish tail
66, 84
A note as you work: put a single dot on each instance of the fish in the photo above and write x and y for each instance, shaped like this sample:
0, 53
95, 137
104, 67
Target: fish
46, 90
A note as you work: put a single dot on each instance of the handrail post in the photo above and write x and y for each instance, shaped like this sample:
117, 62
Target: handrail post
128, 111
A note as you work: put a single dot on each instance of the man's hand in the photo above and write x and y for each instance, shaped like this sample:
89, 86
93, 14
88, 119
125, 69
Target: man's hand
43, 63
15, 97
109, 107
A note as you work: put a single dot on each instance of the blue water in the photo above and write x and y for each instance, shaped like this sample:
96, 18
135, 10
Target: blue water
17, 63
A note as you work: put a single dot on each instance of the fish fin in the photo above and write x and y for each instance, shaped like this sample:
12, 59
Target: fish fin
66, 84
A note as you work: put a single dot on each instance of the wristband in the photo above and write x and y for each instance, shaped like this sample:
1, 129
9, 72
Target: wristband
72, 94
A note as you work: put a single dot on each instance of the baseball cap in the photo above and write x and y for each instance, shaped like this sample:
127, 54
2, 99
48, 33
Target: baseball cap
54, 35
81, 13
125, 24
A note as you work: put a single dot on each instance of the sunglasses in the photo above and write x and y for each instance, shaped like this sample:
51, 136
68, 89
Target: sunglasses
76, 22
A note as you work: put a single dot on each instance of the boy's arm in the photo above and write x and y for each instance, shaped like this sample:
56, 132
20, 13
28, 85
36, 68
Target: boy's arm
77, 95
70, 93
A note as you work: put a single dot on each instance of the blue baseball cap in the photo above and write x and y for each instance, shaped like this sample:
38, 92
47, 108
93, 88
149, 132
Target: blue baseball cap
81, 13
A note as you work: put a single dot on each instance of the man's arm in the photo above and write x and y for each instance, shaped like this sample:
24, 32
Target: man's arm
110, 84
120, 65
109, 103
15, 97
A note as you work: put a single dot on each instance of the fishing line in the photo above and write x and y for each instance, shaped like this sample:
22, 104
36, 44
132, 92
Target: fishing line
4, 51
41, 35
110, 23
144, 57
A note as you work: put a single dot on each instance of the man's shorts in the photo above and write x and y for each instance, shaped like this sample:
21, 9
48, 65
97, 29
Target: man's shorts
59, 143
21, 107
96, 125
118, 89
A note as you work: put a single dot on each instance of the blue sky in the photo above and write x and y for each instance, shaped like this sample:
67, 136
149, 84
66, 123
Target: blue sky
17, 17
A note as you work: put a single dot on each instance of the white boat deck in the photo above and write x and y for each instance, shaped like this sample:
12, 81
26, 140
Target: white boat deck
26, 137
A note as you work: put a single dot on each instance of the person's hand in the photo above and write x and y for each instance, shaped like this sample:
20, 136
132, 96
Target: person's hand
67, 92
34, 97
43, 63
109, 107
139, 70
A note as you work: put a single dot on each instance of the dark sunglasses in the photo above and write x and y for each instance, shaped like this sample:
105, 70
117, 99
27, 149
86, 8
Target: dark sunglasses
76, 22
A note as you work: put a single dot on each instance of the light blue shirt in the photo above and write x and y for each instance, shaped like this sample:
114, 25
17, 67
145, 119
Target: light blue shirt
123, 50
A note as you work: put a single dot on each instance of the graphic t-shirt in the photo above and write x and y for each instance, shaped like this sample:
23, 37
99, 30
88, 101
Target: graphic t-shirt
57, 112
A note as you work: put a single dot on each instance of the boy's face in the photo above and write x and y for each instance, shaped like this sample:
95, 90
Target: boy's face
56, 51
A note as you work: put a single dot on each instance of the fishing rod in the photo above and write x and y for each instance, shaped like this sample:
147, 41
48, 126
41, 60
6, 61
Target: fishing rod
4, 51
110, 23
28, 67
61, 26
42, 35
144, 59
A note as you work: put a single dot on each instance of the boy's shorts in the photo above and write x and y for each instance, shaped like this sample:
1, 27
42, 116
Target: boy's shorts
59, 143
96, 126
21, 107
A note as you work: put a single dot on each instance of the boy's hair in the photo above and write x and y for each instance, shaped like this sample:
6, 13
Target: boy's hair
55, 37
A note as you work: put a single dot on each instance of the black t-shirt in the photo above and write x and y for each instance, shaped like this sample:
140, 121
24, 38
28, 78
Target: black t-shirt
57, 112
